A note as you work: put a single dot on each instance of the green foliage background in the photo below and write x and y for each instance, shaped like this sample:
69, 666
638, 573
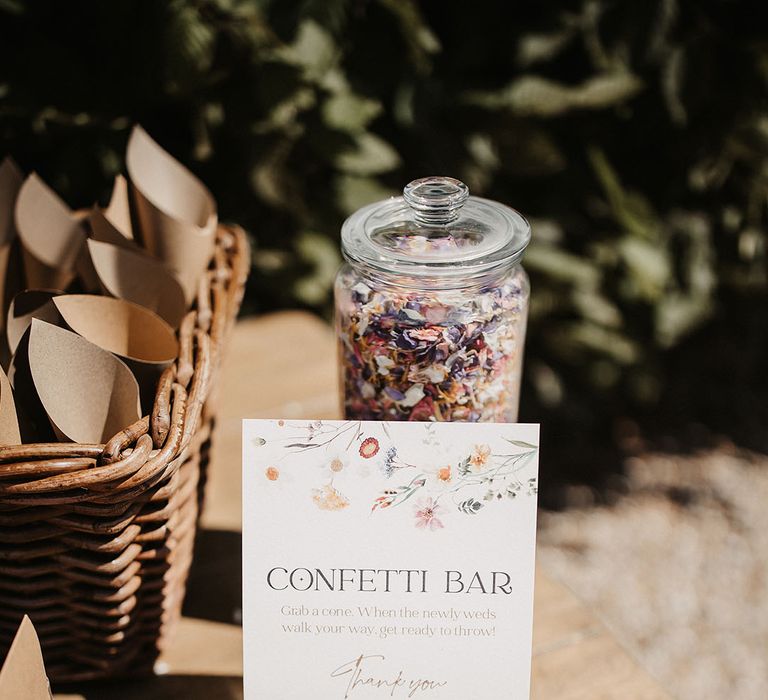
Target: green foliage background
633, 133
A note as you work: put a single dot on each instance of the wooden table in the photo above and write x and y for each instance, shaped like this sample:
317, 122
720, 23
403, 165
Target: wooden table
284, 366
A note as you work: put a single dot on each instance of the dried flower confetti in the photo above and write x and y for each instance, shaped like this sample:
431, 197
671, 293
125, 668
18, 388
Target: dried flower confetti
448, 355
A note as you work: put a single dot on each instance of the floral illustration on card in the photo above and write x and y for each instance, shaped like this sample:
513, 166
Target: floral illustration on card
480, 478
329, 498
462, 481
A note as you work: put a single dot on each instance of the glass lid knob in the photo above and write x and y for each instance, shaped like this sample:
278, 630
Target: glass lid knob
435, 200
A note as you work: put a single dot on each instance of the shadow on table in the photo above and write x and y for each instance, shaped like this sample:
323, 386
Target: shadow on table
214, 589
164, 688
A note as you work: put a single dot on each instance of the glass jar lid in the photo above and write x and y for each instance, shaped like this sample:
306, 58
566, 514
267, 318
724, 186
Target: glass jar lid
435, 230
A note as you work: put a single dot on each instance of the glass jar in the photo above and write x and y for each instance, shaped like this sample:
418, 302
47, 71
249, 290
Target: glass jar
431, 307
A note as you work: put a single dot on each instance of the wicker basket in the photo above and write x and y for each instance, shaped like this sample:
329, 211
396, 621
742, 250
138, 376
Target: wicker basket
96, 540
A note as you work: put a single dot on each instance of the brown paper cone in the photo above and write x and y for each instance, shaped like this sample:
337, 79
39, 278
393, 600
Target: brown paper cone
11, 180
118, 211
87, 393
32, 303
133, 276
34, 425
5, 255
145, 342
9, 421
38, 275
126, 329
176, 213
23, 676
113, 224
52, 236
102, 229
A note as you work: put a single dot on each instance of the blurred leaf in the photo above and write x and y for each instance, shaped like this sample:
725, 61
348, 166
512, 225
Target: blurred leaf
698, 258
284, 115
313, 49
190, 45
589, 337
354, 192
482, 148
371, 155
531, 95
546, 231
672, 85
538, 48
530, 151
12, 7
649, 268
561, 266
274, 182
419, 38
403, 107
331, 14
676, 315
680, 311
349, 112
631, 210
323, 255
597, 308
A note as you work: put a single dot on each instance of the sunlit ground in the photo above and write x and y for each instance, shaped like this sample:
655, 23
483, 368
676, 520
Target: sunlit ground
677, 569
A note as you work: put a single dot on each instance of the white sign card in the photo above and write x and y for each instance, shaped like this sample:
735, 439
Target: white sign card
388, 560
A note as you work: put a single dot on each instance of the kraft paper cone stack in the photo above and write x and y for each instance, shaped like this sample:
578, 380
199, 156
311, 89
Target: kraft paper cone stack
52, 237
175, 212
87, 393
140, 259
22, 676
133, 276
